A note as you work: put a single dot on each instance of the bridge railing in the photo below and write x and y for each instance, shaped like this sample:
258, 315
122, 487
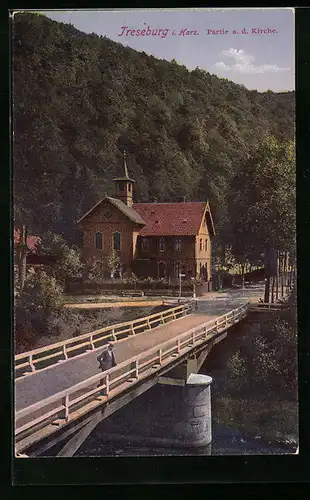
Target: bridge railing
77, 400
31, 361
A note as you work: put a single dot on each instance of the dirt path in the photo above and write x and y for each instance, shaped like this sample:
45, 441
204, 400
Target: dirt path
105, 305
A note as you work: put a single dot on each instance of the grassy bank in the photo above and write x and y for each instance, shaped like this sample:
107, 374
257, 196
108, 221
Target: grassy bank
275, 421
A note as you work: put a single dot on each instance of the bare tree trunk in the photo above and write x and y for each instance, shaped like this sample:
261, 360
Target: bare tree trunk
285, 272
272, 290
242, 276
277, 277
267, 289
282, 275
267, 275
22, 256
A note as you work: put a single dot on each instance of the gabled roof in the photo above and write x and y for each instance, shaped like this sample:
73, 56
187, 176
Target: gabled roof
128, 211
173, 219
32, 241
209, 219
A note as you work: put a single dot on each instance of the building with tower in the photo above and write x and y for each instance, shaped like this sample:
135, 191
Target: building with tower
149, 239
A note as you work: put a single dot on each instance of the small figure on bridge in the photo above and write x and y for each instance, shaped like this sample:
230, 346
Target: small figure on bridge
107, 359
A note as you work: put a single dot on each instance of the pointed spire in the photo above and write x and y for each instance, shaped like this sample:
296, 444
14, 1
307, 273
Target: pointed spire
125, 164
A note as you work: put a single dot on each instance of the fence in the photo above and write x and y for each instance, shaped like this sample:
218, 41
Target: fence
157, 287
72, 403
80, 286
31, 361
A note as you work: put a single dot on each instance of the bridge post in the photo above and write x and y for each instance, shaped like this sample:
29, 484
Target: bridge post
78, 439
184, 370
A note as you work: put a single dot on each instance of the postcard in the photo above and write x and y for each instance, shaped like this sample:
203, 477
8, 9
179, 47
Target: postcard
154, 233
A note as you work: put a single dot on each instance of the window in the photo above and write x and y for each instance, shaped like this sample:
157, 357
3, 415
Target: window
117, 241
200, 244
122, 186
161, 244
145, 245
177, 245
206, 247
129, 188
98, 241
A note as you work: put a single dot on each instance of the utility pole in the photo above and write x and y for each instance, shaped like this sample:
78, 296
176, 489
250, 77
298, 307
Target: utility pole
267, 289
194, 288
272, 289
180, 289
282, 275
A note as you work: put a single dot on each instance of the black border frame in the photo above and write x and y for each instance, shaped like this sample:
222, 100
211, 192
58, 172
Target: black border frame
179, 470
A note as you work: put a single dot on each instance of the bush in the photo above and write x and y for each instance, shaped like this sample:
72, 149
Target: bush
40, 298
268, 361
68, 262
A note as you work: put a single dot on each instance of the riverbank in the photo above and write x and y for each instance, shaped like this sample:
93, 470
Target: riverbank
85, 320
254, 373
275, 422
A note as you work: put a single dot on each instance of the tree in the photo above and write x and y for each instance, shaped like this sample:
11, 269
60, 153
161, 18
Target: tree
113, 262
22, 255
262, 203
189, 130
68, 263
36, 302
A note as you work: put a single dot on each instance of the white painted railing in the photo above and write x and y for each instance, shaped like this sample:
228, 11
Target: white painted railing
31, 361
79, 399
266, 305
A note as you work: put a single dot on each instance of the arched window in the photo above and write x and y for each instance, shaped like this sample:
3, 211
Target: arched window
200, 245
206, 247
161, 244
98, 241
117, 240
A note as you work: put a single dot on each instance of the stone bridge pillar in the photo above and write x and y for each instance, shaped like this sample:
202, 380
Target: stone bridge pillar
174, 413
187, 417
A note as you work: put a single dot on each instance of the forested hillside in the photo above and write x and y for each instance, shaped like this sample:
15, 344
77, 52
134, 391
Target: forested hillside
79, 100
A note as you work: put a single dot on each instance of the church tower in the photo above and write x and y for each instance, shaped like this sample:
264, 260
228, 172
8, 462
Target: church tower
124, 185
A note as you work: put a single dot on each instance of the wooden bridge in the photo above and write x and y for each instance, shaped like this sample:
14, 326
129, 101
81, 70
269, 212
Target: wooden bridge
59, 391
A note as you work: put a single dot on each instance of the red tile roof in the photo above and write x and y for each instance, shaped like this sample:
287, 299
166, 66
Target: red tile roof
32, 241
170, 219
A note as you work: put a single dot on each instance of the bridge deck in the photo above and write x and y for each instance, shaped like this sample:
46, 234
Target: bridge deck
49, 381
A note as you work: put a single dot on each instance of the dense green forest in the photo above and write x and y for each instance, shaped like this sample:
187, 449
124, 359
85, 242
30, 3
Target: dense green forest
80, 99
